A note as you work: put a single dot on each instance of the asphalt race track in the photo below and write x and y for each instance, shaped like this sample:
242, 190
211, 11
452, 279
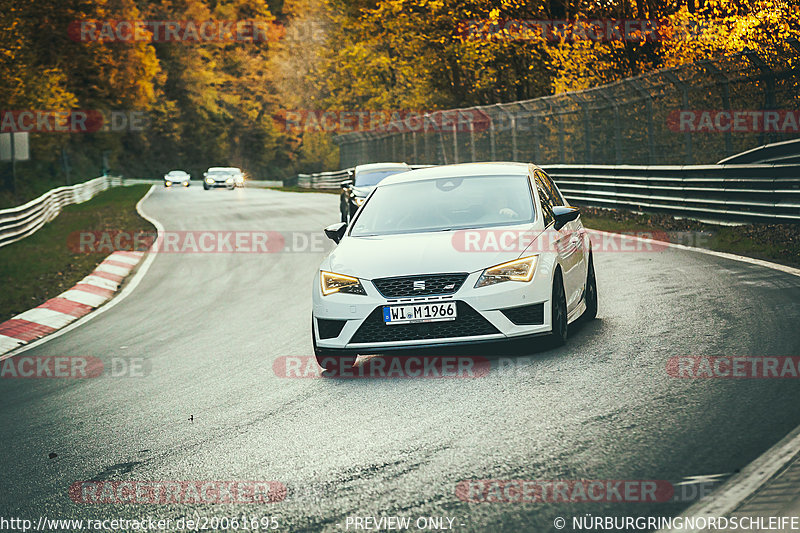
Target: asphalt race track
209, 327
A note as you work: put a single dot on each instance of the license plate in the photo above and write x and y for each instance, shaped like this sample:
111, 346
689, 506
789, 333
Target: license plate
412, 314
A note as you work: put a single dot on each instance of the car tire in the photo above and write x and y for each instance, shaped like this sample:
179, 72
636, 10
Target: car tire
329, 360
590, 293
558, 309
205, 187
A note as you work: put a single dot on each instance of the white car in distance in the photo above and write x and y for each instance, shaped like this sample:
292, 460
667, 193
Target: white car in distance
228, 177
177, 177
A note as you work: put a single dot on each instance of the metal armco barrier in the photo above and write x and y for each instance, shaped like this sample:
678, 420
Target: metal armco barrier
16, 223
738, 193
735, 193
331, 180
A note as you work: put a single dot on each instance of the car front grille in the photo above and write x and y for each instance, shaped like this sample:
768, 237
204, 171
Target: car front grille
468, 323
404, 287
525, 315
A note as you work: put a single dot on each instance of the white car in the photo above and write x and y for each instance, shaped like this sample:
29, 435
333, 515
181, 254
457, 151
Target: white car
229, 177
177, 177
362, 179
452, 255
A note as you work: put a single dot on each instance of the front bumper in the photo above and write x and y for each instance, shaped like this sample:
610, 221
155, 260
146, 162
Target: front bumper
218, 184
353, 323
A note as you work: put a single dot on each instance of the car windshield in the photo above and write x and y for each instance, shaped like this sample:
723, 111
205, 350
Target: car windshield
176, 173
446, 204
219, 175
368, 178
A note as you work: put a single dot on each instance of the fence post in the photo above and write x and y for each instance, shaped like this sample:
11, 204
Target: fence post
726, 99
472, 138
513, 118
769, 81
455, 137
492, 140
587, 145
687, 136
648, 98
425, 148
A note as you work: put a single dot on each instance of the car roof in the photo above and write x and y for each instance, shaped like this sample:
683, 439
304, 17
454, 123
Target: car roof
226, 169
381, 166
460, 170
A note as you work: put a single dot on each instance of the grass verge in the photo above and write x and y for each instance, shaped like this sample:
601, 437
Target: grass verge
42, 266
779, 243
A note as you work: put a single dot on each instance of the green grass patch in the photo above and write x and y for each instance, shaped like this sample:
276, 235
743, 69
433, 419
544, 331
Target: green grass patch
42, 266
779, 243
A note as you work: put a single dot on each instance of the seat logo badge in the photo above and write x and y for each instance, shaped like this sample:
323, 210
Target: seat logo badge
450, 286
419, 285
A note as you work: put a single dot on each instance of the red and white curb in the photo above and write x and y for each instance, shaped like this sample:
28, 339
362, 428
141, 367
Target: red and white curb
89, 293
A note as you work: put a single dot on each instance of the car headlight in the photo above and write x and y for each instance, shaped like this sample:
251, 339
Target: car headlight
332, 283
359, 201
517, 270
209, 180
229, 180
168, 183
185, 183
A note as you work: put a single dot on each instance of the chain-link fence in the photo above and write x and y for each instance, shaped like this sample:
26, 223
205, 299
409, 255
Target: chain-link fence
693, 114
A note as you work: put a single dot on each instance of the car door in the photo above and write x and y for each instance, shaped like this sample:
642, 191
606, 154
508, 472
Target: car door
568, 242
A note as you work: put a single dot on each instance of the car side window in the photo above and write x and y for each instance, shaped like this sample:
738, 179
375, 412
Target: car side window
547, 183
547, 206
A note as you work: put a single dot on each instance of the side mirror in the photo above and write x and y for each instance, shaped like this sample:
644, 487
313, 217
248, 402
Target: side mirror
563, 215
205, 174
335, 232
345, 185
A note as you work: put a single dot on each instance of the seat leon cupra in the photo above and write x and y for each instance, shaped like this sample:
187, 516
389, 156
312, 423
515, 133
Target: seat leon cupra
453, 255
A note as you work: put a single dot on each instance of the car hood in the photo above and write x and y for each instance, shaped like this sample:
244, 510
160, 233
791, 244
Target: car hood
416, 253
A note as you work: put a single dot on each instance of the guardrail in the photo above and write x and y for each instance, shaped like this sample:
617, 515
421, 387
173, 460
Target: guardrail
332, 180
323, 180
16, 223
783, 153
740, 193
731, 193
